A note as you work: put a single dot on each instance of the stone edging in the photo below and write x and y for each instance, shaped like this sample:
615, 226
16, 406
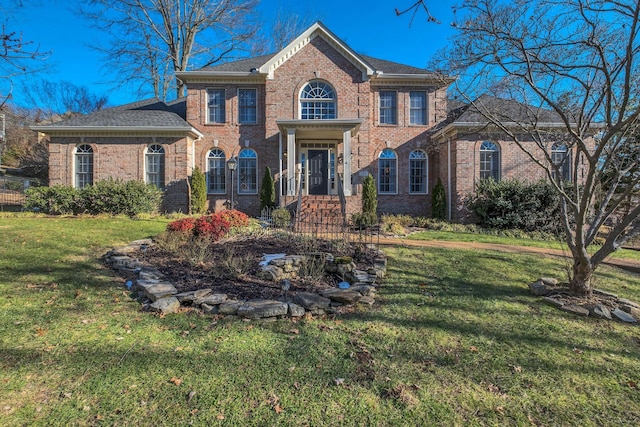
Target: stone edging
161, 296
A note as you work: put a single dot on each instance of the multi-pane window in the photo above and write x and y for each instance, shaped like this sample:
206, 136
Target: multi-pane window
216, 162
418, 172
317, 101
417, 108
248, 106
84, 166
388, 108
561, 158
247, 171
489, 161
216, 105
154, 164
387, 171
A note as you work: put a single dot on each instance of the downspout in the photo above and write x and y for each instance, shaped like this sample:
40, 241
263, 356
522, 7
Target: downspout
449, 179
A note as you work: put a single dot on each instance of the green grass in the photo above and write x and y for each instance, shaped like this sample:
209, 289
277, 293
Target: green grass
453, 236
454, 339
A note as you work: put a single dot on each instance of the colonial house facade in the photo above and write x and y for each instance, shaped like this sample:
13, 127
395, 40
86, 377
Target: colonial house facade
318, 114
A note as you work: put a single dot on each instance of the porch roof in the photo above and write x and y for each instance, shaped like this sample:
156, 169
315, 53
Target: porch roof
320, 129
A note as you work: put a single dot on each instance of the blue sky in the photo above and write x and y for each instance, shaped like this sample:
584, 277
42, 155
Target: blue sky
372, 30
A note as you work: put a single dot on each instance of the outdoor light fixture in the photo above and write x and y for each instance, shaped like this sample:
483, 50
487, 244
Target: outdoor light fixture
232, 164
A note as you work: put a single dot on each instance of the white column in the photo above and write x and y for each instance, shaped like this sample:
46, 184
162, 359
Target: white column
346, 162
291, 162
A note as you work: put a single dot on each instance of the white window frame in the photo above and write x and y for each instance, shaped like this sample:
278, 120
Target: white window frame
331, 102
83, 153
425, 176
243, 163
253, 107
388, 155
222, 164
495, 170
223, 108
154, 152
561, 159
424, 109
393, 108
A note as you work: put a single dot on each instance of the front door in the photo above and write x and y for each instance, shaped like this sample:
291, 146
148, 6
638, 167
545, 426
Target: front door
318, 171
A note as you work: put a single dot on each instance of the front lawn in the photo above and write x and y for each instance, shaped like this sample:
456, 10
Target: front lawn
454, 339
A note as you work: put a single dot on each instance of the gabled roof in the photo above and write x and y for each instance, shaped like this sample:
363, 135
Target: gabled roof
266, 65
151, 115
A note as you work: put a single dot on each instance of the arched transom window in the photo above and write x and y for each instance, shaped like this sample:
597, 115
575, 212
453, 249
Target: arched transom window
154, 163
84, 166
317, 101
489, 161
216, 172
418, 172
247, 171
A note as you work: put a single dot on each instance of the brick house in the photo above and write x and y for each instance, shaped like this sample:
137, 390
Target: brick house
318, 114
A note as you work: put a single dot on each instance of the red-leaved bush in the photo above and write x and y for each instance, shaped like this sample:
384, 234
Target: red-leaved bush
235, 218
212, 226
184, 225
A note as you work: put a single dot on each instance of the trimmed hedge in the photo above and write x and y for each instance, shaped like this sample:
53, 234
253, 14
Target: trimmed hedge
110, 196
514, 204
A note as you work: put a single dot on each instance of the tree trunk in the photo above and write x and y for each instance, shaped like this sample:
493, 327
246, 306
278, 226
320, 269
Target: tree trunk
580, 281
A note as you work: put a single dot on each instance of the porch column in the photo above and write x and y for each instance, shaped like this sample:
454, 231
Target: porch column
291, 161
346, 162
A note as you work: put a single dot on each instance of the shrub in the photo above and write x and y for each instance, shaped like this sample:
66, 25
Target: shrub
513, 204
439, 202
235, 218
395, 224
56, 200
281, 217
364, 220
369, 196
198, 191
116, 197
211, 226
268, 190
184, 225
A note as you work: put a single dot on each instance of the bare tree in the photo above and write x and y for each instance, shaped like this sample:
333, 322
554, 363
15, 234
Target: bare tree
49, 100
576, 61
150, 40
286, 27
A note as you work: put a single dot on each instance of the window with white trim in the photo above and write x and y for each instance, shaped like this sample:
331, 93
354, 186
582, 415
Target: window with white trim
417, 108
247, 171
247, 106
83, 166
216, 104
388, 108
317, 101
561, 159
418, 168
216, 162
387, 172
154, 165
489, 161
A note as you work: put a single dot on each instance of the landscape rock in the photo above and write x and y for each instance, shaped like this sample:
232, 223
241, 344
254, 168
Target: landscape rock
165, 305
155, 291
210, 309
575, 309
628, 302
258, 309
311, 301
549, 281
623, 316
345, 296
553, 301
147, 273
364, 289
270, 272
539, 288
605, 293
230, 307
601, 311
191, 296
295, 310
366, 300
211, 299
634, 311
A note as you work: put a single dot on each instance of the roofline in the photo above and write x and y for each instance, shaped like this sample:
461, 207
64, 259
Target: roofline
469, 125
182, 75
112, 129
421, 77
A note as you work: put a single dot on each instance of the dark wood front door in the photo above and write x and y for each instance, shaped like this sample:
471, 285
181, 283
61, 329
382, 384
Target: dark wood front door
318, 171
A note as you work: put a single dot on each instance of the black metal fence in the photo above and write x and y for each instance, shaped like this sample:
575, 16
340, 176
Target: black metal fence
12, 190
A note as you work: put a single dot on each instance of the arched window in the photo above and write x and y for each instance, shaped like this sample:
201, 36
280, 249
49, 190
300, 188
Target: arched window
418, 172
154, 164
489, 161
317, 101
84, 166
561, 159
216, 162
387, 172
247, 171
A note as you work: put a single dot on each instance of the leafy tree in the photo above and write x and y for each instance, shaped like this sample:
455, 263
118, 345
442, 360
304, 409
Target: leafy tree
268, 190
150, 40
198, 192
439, 202
369, 202
572, 67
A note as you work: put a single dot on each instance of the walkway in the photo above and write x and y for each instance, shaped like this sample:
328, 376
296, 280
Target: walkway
624, 263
